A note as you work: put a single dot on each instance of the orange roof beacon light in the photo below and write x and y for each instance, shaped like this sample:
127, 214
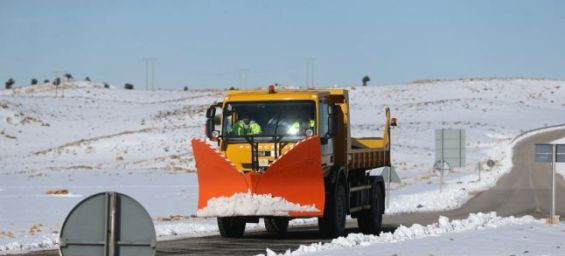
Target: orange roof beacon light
272, 89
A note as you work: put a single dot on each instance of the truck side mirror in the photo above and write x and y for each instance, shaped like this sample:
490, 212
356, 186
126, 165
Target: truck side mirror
211, 133
332, 110
210, 126
333, 120
211, 112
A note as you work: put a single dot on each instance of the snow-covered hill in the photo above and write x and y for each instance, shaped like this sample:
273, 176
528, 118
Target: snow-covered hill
137, 142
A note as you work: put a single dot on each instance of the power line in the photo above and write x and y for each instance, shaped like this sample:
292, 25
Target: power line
150, 73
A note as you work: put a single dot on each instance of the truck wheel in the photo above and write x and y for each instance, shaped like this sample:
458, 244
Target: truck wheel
277, 225
370, 220
333, 222
231, 226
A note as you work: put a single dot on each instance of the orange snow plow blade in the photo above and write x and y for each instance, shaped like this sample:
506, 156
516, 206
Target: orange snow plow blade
296, 176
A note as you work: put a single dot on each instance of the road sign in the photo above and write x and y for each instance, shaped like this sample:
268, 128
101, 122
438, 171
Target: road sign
440, 167
560, 153
108, 224
490, 163
544, 153
390, 175
450, 146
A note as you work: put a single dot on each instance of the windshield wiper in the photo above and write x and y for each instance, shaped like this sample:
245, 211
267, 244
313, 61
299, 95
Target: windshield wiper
277, 140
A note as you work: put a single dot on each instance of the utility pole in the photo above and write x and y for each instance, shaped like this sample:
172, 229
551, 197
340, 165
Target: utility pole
59, 74
310, 72
243, 77
149, 73
146, 74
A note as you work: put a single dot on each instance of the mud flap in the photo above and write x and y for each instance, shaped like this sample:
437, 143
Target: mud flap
295, 176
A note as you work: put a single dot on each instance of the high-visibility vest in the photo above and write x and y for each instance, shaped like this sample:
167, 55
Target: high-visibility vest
253, 128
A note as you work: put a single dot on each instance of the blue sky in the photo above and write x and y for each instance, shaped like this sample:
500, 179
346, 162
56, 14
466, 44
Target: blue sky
205, 43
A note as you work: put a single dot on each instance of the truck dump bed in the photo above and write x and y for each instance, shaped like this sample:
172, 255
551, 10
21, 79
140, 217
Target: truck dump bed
371, 152
368, 153
361, 153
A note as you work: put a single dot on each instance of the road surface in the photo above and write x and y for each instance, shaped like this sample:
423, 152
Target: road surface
525, 190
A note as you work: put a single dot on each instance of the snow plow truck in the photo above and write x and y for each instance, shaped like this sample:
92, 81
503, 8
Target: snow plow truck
284, 154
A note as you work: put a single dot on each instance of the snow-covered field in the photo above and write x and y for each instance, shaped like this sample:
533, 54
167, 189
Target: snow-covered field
138, 142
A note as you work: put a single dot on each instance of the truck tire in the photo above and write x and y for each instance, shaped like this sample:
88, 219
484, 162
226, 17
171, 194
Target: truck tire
370, 220
278, 225
231, 226
333, 223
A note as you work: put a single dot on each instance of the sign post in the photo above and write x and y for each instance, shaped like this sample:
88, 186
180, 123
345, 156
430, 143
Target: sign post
390, 176
551, 153
439, 168
552, 216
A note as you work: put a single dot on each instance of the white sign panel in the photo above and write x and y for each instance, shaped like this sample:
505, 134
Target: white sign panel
450, 146
560, 153
544, 153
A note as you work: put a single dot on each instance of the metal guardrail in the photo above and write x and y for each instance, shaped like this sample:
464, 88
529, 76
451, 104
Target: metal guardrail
536, 129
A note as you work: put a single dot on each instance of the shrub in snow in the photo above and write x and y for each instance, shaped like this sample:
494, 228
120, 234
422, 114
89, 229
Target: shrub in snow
57, 191
46, 81
106, 85
87, 79
10, 83
33, 81
186, 88
68, 76
365, 80
57, 81
128, 86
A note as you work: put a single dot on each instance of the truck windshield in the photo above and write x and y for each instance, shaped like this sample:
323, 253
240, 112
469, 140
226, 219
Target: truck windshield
290, 119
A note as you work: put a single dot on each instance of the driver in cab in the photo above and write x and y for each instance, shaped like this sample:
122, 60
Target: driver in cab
246, 126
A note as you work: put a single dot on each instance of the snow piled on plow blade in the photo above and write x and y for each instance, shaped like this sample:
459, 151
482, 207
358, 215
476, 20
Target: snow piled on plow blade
248, 204
266, 193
